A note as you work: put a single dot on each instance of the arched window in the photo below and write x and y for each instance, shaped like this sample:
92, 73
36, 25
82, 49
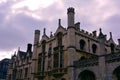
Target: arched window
82, 58
82, 45
86, 75
58, 52
49, 56
43, 54
59, 39
94, 48
50, 51
43, 46
112, 46
39, 62
116, 74
59, 36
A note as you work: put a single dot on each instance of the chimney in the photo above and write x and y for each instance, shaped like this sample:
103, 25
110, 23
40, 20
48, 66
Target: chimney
29, 47
119, 42
94, 33
70, 12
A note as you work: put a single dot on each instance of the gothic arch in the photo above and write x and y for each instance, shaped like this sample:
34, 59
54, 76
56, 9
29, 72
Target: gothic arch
94, 48
82, 44
82, 58
86, 74
116, 73
58, 52
59, 38
43, 45
112, 46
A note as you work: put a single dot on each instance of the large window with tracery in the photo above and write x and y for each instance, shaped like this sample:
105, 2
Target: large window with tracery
59, 39
112, 46
56, 58
94, 48
39, 61
43, 54
49, 56
41, 57
82, 45
58, 52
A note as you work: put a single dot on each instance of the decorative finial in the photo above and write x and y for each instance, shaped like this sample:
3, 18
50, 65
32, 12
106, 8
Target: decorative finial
59, 23
110, 34
51, 34
100, 30
18, 48
101, 35
44, 31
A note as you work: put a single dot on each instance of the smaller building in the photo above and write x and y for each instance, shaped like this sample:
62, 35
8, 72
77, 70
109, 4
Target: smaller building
20, 65
4, 68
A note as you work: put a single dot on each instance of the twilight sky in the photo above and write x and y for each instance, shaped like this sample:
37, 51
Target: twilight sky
19, 19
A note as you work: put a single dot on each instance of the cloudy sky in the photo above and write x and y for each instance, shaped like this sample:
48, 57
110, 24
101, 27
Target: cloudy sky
19, 19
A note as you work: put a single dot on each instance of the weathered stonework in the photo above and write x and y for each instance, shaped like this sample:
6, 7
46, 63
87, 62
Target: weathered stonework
71, 54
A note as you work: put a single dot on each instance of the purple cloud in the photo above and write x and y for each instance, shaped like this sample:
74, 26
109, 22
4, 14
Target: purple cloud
18, 24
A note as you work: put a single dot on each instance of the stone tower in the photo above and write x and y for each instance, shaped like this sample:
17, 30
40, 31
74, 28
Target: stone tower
71, 41
35, 55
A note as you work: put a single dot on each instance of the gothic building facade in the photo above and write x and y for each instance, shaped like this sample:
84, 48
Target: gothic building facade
69, 54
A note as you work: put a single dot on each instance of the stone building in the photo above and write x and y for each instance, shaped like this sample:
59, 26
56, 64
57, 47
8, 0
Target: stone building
20, 65
4, 68
73, 54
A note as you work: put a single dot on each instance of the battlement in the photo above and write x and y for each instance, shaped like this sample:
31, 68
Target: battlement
86, 33
37, 31
71, 9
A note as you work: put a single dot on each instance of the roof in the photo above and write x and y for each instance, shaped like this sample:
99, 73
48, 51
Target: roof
22, 54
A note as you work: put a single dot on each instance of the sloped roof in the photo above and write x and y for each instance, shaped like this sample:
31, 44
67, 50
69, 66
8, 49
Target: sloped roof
22, 54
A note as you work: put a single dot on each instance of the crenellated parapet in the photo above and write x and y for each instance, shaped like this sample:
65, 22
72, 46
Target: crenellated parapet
71, 9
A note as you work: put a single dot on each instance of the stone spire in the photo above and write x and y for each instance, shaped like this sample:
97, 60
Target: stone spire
44, 32
59, 22
51, 35
111, 35
14, 54
101, 35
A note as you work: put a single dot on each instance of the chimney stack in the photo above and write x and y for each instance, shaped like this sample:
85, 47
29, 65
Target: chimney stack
29, 47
